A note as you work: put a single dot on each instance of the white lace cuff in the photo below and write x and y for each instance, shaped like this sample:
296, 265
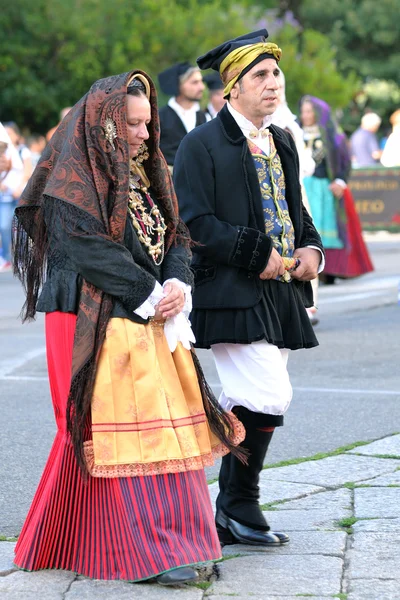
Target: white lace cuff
147, 309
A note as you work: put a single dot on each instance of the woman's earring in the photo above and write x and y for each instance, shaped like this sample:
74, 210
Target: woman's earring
143, 154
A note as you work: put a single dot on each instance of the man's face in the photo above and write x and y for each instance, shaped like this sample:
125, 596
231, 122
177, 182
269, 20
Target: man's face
217, 100
255, 93
192, 89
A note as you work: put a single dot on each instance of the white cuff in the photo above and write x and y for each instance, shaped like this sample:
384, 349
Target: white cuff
187, 290
341, 182
147, 309
322, 263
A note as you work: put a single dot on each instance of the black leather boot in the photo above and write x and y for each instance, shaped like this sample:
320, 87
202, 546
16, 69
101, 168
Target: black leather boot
239, 517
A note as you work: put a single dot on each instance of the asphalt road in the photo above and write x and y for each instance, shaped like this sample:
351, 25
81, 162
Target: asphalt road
346, 390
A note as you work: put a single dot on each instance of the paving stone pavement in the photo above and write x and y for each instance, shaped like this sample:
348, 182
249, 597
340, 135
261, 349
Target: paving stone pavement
343, 515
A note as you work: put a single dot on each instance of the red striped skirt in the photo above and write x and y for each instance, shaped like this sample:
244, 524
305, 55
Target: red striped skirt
353, 260
121, 528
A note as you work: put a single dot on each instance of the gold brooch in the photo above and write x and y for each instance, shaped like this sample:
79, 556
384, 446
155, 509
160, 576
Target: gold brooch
253, 134
110, 131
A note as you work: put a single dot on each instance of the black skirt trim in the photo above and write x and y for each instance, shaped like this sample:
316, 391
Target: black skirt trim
280, 318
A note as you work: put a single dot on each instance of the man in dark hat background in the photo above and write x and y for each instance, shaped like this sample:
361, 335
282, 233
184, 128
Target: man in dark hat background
216, 89
184, 83
237, 181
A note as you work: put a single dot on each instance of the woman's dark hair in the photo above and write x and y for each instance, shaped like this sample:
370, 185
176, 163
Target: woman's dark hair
136, 88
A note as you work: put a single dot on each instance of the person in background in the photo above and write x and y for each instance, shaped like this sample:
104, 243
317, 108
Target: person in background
24, 153
332, 204
184, 83
11, 174
36, 144
391, 152
364, 143
284, 118
63, 114
216, 91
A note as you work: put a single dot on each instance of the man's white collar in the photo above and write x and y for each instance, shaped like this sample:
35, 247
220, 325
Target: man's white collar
247, 126
179, 109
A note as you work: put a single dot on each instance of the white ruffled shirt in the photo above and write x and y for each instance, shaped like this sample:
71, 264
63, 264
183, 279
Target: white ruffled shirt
260, 137
178, 328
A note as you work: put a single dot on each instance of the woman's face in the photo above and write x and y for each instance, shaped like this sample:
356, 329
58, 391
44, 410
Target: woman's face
138, 116
307, 114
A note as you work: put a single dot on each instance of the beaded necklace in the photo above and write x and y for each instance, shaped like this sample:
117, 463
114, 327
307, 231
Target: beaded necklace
148, 224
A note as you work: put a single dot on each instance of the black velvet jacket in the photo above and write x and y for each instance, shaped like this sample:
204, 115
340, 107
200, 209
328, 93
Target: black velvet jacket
220, 200
126, 272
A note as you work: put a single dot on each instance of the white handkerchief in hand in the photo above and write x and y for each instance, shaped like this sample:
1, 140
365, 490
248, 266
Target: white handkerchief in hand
178, 329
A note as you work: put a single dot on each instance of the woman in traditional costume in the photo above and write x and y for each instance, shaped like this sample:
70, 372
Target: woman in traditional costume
123, 494
331, 202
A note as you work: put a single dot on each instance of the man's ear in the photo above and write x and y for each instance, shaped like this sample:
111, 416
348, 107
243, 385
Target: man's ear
235, 91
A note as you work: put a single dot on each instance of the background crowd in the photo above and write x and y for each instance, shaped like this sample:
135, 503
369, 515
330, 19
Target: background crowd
341, 53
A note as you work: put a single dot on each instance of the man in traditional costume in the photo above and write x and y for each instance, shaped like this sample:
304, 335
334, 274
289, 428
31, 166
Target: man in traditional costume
123, 494
184, 83
238, 186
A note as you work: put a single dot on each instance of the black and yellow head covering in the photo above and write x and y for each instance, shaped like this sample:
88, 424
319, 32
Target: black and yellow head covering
235, 58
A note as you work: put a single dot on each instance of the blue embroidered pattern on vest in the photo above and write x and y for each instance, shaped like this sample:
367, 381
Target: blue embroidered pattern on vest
278, 224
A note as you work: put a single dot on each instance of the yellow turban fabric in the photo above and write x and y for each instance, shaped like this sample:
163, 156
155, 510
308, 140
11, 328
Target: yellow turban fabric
234, 64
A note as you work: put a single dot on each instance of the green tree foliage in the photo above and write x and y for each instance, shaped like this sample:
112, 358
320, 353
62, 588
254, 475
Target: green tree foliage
364, 32
53, 50
310, 66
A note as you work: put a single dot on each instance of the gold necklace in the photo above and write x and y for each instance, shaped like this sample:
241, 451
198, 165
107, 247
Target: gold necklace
148, 224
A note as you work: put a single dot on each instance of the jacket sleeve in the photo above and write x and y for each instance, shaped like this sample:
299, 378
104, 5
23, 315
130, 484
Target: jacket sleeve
177, 264
218, 240
102, 262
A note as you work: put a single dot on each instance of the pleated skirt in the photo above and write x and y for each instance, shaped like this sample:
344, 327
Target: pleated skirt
279, 318
129, 528
353, 260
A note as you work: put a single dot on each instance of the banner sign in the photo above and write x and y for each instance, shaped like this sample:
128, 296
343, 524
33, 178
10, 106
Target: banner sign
376, 193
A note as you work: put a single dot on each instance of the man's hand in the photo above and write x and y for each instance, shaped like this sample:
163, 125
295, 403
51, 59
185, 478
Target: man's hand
274, 266
172, 304
309, 263
336, 189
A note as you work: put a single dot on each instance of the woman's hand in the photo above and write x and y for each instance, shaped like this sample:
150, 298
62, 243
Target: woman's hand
172, 304
336, 189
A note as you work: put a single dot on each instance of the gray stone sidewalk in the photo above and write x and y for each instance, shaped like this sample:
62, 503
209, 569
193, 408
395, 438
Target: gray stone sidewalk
343, 515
